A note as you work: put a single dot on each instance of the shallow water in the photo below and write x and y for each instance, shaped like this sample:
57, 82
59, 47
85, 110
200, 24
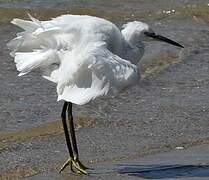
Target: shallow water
169, 107
122, 5
31, 100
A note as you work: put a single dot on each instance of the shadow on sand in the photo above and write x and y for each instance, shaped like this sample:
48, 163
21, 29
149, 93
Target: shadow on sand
164, 171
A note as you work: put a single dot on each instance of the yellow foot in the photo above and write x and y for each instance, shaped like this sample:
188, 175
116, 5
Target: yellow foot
75, 165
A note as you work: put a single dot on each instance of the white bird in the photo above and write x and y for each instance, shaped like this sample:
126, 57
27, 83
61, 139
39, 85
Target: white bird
85, 56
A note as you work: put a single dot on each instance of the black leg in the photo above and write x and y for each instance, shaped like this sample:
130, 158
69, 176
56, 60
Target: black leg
74, 162
64, 122
73, 137
67, 137
72, 130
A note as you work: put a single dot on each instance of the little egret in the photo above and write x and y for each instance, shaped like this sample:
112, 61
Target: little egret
85, 56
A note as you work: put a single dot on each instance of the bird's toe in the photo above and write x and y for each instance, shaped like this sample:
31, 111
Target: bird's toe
75, 165
79, 167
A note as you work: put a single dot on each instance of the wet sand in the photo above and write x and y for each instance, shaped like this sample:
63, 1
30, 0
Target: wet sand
169, 108
189, 164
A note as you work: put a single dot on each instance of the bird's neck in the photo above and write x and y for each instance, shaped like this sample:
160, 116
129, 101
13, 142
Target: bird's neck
133, 51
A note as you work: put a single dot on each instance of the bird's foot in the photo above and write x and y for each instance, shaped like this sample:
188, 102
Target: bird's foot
75, 165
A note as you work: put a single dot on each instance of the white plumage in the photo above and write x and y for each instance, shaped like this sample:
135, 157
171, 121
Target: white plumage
85, 56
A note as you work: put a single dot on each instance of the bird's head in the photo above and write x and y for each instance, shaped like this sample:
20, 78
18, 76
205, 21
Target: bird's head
135, 32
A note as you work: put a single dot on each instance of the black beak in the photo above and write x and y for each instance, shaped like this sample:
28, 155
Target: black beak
162, 38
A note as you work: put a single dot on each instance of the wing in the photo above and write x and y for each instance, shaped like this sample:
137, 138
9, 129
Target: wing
83, 69
40, 45
94, 71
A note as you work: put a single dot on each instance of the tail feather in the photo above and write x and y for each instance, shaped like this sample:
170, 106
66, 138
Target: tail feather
25, 41
24, 24
35, 21
15, 43
35, 36
27, 25
28, 61
38, 46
